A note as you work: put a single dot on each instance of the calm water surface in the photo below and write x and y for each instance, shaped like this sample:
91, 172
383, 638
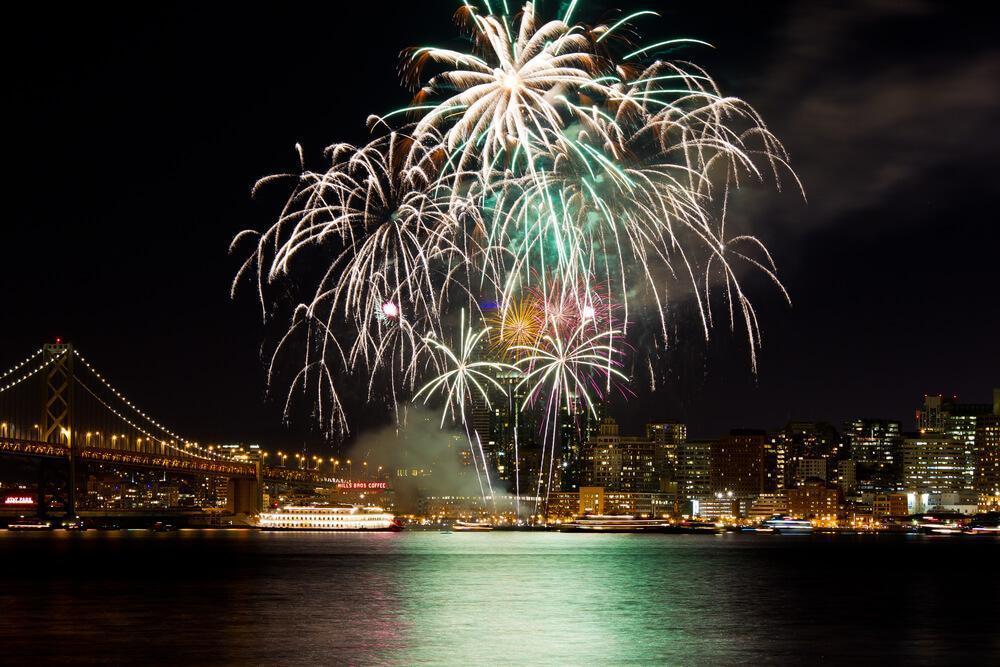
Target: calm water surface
242, 597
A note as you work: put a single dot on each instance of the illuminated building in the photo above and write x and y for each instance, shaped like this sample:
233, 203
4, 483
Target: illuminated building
767, 505
720, 506
875, 446
737, 464
988, 455
563, 505
694, 469
814, 500
779, 462
598, 500
889, 504
937, 464
847, 475
591, 500
619, 463
944, 415
513, 431
813, 440
668, 438
811, 468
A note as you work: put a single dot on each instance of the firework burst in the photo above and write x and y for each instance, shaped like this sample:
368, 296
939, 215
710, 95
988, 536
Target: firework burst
567, 172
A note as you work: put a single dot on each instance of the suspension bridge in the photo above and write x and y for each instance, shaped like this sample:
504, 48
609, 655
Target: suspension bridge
56, 406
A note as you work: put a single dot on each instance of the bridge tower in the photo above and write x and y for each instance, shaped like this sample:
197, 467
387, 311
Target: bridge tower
57, 412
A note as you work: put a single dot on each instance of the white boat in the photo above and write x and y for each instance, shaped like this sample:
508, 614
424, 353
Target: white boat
603, 523
29, 524
327, 517
472, 525
787, 525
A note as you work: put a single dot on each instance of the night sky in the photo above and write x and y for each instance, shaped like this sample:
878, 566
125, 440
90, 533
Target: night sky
137, 131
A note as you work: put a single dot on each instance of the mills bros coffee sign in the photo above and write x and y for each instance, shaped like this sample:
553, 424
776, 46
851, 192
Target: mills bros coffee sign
362, 486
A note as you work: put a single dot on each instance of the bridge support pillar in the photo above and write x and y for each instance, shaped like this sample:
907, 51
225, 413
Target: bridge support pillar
41, 504
244, 496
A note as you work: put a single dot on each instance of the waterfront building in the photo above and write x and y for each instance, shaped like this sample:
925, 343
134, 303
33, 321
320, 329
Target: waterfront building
598, 500
563, 505
889, 505
591, 500
814, 500
767, 505
719, 506
640, 504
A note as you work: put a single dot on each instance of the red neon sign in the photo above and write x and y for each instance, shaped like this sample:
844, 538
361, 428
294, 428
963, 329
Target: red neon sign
363, 486
19, 500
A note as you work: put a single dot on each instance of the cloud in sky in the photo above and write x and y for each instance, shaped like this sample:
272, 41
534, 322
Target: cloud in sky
873, 107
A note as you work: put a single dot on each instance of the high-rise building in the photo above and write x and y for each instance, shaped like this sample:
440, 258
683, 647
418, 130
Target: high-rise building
944, 416
988, 454
619, 463
812, 468
847, 475
779, 461
875, 446
667, 439
935, 463
797, 441
694, 469
737, 464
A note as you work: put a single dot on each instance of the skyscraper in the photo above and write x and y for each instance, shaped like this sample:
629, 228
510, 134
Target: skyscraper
876, 447
694, 469
988, 452
737, 464
667, 439
937, 464
943, 417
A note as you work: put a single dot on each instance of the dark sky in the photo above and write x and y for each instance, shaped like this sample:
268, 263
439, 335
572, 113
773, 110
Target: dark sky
135, 133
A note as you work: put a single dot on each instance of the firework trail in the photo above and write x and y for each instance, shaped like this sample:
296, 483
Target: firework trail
564, 371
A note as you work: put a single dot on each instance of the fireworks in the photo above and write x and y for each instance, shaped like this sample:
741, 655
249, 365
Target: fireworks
563, 371
463, 375
562, 171
517, 325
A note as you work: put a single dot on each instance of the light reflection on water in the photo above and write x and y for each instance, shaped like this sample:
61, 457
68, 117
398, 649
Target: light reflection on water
495, 598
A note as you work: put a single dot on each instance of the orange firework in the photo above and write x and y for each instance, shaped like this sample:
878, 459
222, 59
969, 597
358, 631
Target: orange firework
519, 324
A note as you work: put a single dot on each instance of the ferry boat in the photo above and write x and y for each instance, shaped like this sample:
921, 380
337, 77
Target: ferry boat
328, 517
29, 524
613, 523
472, 526
697, 526
938, 524
788, 526
984, 524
